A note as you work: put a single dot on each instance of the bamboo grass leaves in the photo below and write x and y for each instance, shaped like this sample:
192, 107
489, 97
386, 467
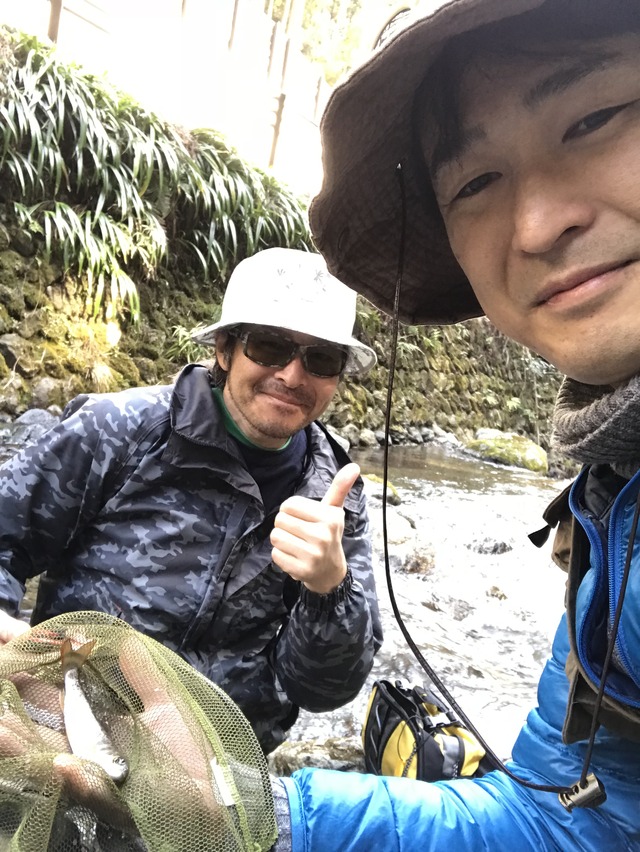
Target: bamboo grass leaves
116, 193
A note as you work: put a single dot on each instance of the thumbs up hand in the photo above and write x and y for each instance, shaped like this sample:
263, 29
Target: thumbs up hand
307, 535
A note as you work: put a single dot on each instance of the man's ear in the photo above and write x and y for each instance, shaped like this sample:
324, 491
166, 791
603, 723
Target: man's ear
223, 357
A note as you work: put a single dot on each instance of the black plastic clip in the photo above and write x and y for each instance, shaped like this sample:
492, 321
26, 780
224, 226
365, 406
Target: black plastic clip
589, 795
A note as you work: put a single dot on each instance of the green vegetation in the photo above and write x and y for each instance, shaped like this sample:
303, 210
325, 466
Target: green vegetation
115, 194
108, 214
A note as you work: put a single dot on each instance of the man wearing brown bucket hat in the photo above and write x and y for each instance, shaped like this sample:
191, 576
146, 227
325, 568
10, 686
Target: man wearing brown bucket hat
486, 160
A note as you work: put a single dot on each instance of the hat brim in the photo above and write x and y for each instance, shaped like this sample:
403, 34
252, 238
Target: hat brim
361, 357
357, 217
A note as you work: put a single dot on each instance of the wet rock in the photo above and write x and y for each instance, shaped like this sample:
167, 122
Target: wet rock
420, 561
509, 448
444, 437
351, 433
461, 610
368, 438
495, 592
414, 435
380, 436
343, 753
374, 489
339, 439
489, 545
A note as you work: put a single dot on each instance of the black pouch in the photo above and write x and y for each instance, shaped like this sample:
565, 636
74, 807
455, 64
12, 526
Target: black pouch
410, 734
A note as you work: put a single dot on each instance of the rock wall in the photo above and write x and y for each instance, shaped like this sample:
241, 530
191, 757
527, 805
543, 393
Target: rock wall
455, 379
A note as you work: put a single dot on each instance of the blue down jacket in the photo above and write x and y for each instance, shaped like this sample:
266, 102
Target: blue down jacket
139, 504
345, 811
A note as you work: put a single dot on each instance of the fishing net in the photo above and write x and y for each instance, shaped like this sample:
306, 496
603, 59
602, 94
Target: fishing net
196, 780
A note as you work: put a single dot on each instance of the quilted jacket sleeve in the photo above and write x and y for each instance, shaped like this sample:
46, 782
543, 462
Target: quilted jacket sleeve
49, 490
326, 650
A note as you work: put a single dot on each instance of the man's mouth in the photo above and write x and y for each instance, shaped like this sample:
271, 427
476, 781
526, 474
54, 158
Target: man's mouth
298, 398
591, 275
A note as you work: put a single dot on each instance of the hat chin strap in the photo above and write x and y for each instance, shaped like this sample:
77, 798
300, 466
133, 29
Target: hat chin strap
588, 791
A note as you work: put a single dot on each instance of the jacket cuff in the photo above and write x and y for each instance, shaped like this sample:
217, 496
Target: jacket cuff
328, 602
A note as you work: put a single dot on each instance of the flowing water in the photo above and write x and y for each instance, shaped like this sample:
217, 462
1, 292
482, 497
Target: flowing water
485, 607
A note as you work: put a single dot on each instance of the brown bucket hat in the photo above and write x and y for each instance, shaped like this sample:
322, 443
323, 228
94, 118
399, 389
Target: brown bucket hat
356, 219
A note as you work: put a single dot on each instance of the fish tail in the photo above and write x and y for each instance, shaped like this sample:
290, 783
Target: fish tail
74, 659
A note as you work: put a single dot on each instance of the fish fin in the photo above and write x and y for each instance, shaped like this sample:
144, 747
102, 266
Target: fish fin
74, 659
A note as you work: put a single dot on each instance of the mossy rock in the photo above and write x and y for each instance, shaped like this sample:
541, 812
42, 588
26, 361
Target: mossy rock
507, 448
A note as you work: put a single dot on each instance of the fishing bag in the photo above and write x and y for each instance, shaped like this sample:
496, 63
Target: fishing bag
409, 733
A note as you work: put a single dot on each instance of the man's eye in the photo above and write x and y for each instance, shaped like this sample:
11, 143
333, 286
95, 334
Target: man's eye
477, 185
593, 121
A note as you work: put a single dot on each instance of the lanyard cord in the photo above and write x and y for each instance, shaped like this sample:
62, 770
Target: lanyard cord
588, 791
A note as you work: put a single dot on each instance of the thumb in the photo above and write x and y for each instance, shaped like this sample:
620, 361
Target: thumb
341, 485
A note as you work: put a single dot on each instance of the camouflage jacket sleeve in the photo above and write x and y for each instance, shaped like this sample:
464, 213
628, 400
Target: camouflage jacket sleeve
50, 490
326, 650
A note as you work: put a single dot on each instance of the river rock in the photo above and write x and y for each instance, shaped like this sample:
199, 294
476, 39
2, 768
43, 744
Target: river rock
368, 438
344, 443
414, 435
344, 753
444, 437
489, 545
420, 561
509, 448
351, 433
380, 436
373, 487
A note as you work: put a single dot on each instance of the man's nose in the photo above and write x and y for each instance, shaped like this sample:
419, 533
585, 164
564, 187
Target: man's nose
548, 210
293, 373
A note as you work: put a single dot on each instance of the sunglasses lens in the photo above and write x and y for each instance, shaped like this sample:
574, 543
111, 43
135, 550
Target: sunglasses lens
324, 361
269, 350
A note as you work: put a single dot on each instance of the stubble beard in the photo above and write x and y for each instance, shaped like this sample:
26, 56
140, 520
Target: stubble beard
269, 428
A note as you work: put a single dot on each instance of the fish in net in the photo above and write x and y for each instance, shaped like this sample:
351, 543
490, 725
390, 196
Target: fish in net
110, 742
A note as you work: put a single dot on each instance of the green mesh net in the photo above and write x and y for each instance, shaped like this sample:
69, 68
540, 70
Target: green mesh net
196, 778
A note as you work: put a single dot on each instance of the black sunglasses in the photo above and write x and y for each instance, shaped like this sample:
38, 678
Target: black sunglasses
272, 350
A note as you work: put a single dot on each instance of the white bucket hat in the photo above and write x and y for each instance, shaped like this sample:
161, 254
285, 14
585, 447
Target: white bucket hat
292, 289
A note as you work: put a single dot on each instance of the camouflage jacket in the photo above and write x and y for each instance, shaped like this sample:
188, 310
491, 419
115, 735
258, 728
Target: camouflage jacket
139, 504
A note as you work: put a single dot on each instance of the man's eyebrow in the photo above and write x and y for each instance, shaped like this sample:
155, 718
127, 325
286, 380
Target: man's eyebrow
562, 79
446, 152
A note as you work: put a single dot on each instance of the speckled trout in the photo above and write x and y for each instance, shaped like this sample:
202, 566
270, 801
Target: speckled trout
85, 734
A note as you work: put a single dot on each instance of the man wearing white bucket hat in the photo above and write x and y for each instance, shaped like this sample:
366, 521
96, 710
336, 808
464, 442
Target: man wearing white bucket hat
486, 160
216, 514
